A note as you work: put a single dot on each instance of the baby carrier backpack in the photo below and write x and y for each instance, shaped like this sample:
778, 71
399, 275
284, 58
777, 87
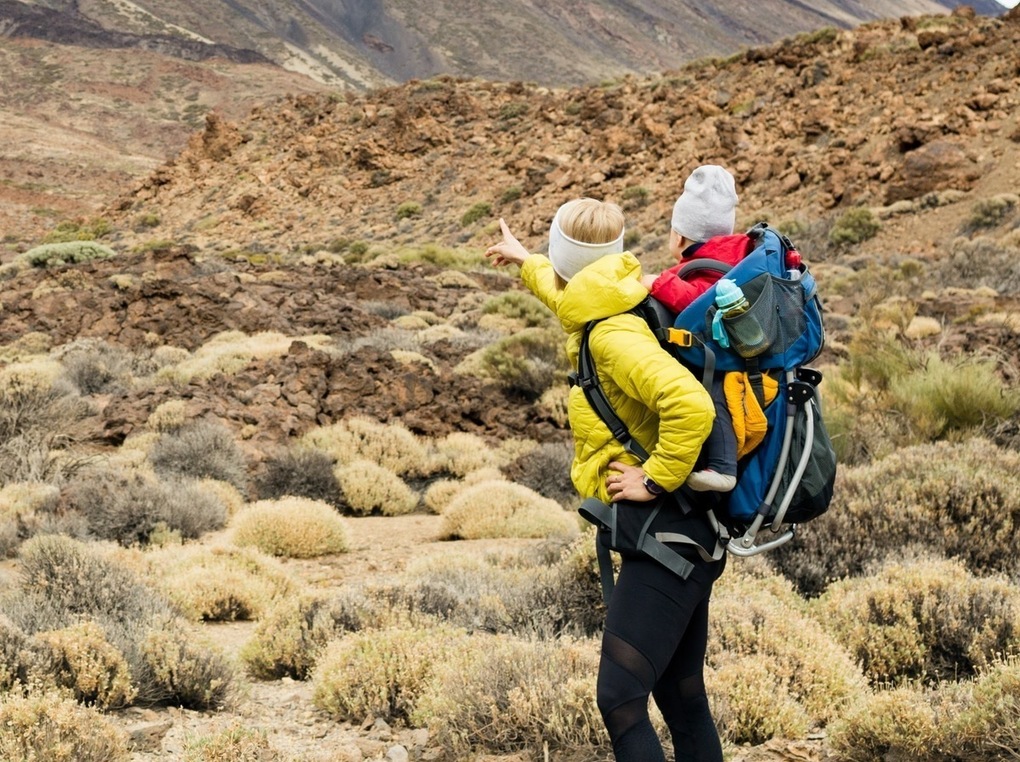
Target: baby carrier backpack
788, 476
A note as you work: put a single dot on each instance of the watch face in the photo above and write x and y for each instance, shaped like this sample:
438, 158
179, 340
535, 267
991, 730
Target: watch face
652, 487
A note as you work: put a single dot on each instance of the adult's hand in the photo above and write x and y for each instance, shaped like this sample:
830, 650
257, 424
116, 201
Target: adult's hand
627, 483
509, 251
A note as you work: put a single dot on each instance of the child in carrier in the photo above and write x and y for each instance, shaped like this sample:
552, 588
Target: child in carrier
702, 229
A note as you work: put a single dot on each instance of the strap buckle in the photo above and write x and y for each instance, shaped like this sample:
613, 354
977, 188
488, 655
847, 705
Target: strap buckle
681, 337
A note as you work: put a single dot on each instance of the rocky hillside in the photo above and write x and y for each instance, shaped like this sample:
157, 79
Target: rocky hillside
886, 116
369, 44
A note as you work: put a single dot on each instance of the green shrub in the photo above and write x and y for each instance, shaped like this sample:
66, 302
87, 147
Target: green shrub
526, 363
989, 213
449, 259
503, 695
957, 499
408, 209
48, 726
201, 450
77, 231
511, 194
475, 213
853, 227
519, 306
299, 472
929, 620
69, 253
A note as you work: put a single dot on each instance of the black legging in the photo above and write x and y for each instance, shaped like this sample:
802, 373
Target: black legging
654, 643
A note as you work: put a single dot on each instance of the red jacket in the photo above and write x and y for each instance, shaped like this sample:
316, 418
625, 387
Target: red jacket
677, 293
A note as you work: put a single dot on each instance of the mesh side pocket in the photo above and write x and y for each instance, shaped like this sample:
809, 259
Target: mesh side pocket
789, 298
753, 332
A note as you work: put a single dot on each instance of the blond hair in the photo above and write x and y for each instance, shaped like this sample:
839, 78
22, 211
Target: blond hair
591, 221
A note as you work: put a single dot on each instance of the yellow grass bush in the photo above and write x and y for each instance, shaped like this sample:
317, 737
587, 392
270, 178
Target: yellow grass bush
927, 619
81, 659
231, 351
289, 639
762, 635
292, 526
220, 584
185, 672
370, 488
503, 509
901, 723
234, 743
23, 511
382, 673
442, 491
984, 721
48, 726
504, 694
956, 499
391, 446
460, 453
17, 660
168, 416
227, 494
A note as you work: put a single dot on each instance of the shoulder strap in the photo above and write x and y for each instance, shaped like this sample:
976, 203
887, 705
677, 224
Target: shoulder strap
588, 380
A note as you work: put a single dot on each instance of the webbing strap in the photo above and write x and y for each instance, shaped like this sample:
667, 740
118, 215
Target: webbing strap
588, 380
667, 557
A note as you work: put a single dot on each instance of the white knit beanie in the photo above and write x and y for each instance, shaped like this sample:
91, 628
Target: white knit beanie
707, 207
568, 256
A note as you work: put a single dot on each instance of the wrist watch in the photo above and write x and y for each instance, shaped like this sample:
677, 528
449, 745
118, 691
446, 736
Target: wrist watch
651, 486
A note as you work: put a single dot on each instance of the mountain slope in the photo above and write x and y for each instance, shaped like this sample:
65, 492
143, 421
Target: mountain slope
890, 112
378, 42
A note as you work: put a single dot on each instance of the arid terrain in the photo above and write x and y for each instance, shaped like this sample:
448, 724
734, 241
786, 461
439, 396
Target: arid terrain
241, 199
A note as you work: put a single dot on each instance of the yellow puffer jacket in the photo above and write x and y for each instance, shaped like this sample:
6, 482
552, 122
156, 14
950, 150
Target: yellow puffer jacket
666, 409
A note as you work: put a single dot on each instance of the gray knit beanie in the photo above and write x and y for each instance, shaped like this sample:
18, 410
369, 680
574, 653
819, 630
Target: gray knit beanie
707, 207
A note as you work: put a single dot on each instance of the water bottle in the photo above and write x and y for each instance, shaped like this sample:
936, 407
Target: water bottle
730, 303
793, 263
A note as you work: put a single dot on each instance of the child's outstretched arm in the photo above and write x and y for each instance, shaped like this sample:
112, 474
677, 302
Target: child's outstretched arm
509, 251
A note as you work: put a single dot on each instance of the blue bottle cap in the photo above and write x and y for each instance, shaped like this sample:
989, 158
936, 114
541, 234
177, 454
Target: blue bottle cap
727, 293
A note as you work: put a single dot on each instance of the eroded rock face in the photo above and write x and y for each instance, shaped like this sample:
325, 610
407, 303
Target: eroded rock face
938, 165
173, 298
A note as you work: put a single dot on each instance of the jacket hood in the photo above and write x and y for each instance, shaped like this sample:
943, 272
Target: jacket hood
606, 287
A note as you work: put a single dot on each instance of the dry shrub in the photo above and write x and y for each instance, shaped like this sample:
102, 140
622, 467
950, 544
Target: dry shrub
927, 619
48, 726
131, 507
220, 584
95, 366
289, 639
234, 743
294, 527
17, 661
81, 659
441, 492
185, 673
460, 453
981, 261
546, 470
201, 450
546, 592
985, 719
896, 724
169, 416
392, 446
957, 499
232, 499
522, 308
503, 509
554, 404
764, 643
504, 695
381, 673
299, 472
39, 419
64, 583
26, 509
231, 351
370, 488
